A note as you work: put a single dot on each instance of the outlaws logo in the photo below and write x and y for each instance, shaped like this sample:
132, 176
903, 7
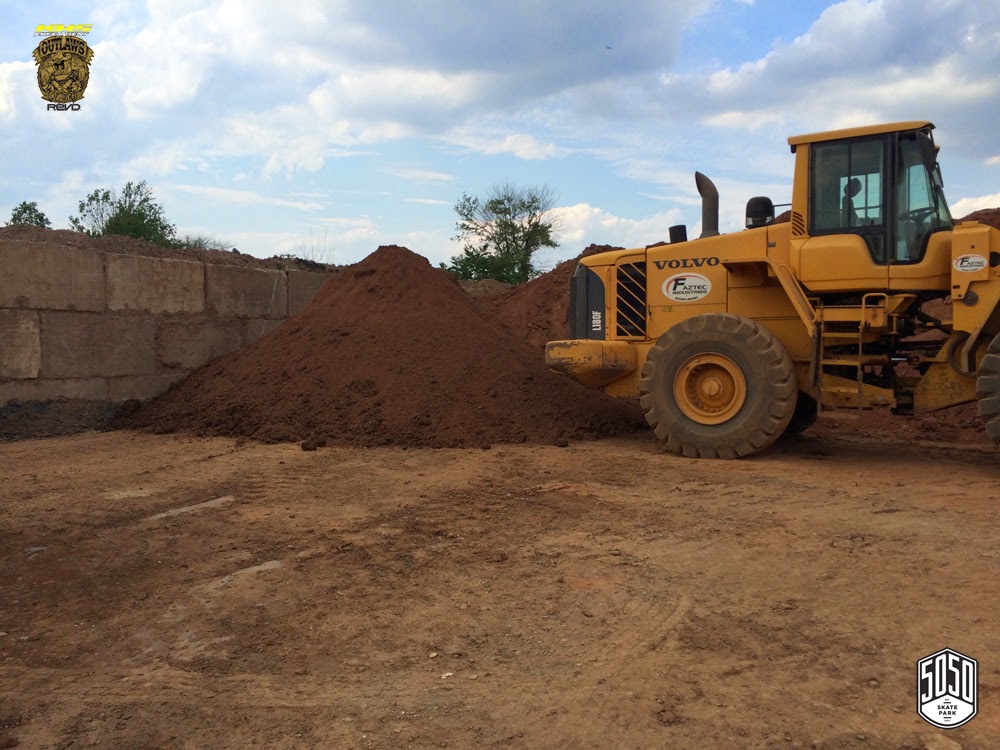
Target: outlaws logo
63, 68
947, 688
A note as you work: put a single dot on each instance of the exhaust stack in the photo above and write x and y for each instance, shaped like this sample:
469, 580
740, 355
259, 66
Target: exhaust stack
709, 206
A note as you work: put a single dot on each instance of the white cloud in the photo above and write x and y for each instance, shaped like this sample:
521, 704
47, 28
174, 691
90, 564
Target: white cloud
856, 64
420, 175
581, 224
965, 206
427, 201
164, 157
263, 95
522, 145
12, 76
245, 197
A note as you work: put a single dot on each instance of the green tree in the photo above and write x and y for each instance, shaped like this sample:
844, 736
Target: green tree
134, 213
501, 232
28, 213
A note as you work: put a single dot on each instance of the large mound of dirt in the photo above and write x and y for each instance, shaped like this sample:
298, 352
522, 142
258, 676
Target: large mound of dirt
390, 351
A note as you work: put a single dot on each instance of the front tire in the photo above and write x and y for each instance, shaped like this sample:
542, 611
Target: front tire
718, 386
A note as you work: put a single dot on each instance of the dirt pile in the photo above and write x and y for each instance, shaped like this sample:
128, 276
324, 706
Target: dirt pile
989, 216
538, 310
390, 351
132, 246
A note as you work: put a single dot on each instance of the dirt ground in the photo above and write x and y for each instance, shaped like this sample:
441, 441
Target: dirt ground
175, 592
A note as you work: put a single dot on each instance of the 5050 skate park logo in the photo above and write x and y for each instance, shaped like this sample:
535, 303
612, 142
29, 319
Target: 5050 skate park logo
947, 688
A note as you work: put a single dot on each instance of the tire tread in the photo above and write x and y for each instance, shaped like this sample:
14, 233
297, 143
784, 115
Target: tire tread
763, 345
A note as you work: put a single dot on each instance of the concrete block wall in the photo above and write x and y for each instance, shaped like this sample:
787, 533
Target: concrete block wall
81, 323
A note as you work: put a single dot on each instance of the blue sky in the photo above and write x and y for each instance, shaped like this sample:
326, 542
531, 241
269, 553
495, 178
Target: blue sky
326, 128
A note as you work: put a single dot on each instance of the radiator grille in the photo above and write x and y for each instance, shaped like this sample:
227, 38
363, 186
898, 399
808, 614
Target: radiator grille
631, 300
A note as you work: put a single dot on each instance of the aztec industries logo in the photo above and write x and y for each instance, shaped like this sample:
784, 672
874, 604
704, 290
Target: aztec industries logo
63, 59
947, 688
687, 287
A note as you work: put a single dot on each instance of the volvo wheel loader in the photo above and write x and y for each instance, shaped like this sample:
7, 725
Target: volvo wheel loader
730, 341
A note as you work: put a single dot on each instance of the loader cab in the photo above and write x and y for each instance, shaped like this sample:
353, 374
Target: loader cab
865, 200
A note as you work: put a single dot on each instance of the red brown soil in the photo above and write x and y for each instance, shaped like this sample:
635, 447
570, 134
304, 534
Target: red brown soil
390, 351
989, 216
132, 246
538, 310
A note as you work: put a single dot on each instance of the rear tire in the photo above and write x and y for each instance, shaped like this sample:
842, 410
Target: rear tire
988, 390
718, 386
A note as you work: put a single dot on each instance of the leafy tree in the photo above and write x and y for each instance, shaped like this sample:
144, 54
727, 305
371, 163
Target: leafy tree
134, 213
28, 213
94, 213
501, 232
202, 242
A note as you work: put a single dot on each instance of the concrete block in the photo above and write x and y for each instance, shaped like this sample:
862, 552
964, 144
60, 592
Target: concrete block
142, 386
302, 287
257, 328
88, 344
156, 285
20, 344
236, 292
50, 277
41, 389
191, 344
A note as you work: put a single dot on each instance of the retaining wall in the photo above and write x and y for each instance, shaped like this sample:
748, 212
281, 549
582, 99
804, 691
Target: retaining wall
83, 323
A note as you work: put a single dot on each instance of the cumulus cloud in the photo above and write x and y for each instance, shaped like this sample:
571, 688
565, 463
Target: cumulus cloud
582, 224
965, 206
275, 92
246, 197
858, 63
522, 145
427, 201
420, 175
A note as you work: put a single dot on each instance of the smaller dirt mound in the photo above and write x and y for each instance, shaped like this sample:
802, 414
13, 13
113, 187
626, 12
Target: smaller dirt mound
538, 310
390, 351
989, 216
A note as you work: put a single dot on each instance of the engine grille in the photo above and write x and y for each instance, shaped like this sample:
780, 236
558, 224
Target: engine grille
631, 300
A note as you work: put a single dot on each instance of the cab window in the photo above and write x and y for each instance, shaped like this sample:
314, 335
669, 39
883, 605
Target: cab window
848, 191
921, 209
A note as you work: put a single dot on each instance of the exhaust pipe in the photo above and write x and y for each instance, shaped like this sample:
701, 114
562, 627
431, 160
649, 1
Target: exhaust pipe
709, 206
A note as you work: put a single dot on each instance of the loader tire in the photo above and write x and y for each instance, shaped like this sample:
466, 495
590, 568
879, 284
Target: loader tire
988, 390
804, 416
718, 386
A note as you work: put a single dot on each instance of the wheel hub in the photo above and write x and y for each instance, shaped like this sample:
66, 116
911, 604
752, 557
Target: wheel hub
710, 388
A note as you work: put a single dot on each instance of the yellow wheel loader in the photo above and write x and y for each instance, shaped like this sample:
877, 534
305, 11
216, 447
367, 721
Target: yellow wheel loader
730, 341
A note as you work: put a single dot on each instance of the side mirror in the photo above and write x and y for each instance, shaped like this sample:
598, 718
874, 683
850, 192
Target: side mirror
760, 212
